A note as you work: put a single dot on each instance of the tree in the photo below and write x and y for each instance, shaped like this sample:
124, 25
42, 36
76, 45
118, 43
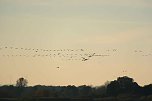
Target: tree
113, 88
122, 85
85, 91
147, 89
21, 82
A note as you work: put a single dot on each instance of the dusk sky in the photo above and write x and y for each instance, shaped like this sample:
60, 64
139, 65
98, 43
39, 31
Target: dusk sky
119, 32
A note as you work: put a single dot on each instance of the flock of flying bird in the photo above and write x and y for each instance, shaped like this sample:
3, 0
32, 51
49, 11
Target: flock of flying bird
36, 49
69, 54
143, 53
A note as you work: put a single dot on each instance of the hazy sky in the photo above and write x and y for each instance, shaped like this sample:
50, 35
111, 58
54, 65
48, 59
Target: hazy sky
97, 26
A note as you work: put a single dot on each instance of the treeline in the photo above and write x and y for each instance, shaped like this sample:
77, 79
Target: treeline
70, 91
122, 87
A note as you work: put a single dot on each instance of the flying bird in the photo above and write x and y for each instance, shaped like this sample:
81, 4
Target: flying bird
81, 49
135, 51
114, 49
92, 55
84, 59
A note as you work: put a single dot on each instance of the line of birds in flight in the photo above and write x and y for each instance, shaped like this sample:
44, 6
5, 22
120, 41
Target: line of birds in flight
48, 50
44, 50
143, 53
61, 53
76, 54
84, 57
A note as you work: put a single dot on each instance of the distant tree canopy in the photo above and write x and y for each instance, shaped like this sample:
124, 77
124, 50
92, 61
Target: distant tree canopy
122, 85
21, 82
147, 89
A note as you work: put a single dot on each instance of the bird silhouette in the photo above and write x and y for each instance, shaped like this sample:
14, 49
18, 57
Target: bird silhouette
81, 49
92, 55
84, 59
114, 49
135, 51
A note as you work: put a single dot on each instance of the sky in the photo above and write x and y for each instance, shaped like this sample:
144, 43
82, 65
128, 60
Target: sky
36, 36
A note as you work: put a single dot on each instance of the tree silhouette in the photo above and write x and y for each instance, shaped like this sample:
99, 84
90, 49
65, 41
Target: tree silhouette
147, 89
122, 85
21, 82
